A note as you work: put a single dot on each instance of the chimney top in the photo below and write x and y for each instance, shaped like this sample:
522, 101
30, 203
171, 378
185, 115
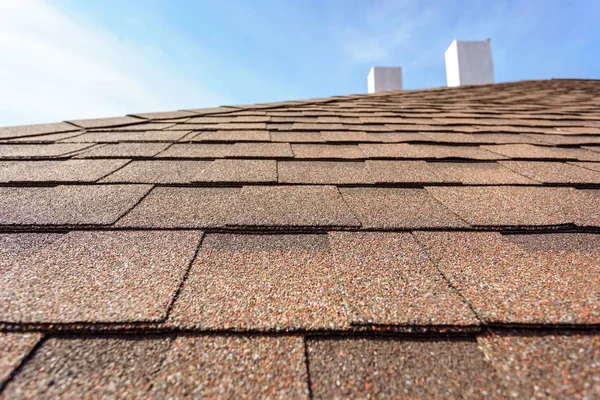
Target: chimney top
469, 63
382, 79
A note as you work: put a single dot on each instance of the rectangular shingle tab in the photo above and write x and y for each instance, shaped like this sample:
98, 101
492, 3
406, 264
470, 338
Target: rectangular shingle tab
485, 173
117, 137
39, 129
404, 150
323, 172
239, 171
99, 277
68, 205
37, 151
327, 151
513, 205
506, 279
528, 151
398, 208
392, 171
106, 122
553, 172
14, 347
163, 171
396, 368
232, 136
124, 150
57, 171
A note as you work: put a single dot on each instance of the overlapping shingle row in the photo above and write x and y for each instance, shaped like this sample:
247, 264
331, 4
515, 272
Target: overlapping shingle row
293, 249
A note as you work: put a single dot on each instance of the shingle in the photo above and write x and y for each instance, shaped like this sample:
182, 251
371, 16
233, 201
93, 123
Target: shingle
252, 118
34, 151
146, 126
403, 150
506, 205
47, 138
211, 110
183, 207
560, 139
234, 367
19, 245
299, 126
163, 171
594, 166
508, 281
389, 280
232, 136
124, 150
391, 171
68, 205
398, 208
91, 367
261, 282
531, 151
14, 347
323, 172
29, 130
296, 137
279, 150
558, 364
57, 171
194, 150
106, 122
395, 368
595, 149
98, 277
328, 151
397, 137
235, 126
482, 173
347, 136
116, 137
553, 172
455, 137
240, 171
312, 206
165, 115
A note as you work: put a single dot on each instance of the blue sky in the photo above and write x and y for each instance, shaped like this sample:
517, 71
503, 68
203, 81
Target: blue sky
67, 59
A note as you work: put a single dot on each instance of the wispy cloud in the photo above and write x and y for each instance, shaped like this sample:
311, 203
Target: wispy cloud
57, 66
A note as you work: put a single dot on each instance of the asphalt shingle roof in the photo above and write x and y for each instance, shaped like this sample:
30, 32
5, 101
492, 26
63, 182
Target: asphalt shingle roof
430, 243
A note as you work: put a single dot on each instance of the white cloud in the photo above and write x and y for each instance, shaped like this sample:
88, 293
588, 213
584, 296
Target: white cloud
56, 66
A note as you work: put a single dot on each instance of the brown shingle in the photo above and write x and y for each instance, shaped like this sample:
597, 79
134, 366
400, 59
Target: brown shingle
47, 138
99, 277
396, 368
347, 136
91, 367
455, 137
68, 205
183, 207
279, 150
594, 166
482, 173
232, 136
323, 172
313, 206
29, 130
558, 364
106, 122
163, 171
116, 137
553, 172
520, 205
35, 151
240, 171
14, 347
403, 150
165, 115
296, 137
194, 150
507, 281
531, 151
327, 151
391, 171
146, 126
57, 171
389, 280
398, 208
124, 150
234, 367
261, 282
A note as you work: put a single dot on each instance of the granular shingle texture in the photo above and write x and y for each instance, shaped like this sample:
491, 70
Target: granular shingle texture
557, 364
262, 282
91, 367
234, 367
68, 205
316, 206
14, 347
323, 172
365, 246
98, 276
57, 171
183, 207
508, 282
163, 171
512, 205
398, 208
397, 368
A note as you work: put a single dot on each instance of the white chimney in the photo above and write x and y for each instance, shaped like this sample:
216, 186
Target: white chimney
469, 63
384, 78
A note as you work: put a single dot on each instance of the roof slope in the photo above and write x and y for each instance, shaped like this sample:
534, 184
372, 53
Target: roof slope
432, 243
